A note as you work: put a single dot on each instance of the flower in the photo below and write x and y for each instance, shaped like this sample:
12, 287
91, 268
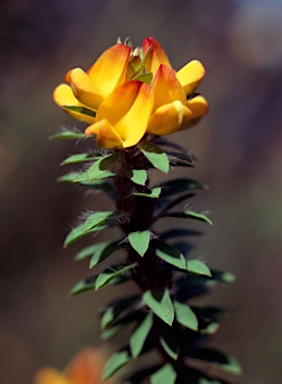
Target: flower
122, 118
175, 106
129, 93
89, 89
86, 368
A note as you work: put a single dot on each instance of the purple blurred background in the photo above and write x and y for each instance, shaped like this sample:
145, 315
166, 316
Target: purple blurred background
239, 147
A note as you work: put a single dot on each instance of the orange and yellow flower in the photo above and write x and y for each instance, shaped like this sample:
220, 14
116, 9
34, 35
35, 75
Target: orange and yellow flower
86, 368
127, 94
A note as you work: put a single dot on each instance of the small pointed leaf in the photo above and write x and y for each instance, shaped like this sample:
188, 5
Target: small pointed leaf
118, 308
179, 186
184, 159
218, 359
169, 340
100, 169
69, 177
165, 375
110, 273
103, 252
169, 254
116, 362
80, 158
68, 134
140, 334
144, 77
159, 301
185, 316
84, 285
137, 176
98, 218
78, 109
140, 241
79, 232
198, 267
190, 215
155, 155
154, 193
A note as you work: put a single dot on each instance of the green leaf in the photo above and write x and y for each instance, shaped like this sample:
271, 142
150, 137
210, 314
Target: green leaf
158, 300
169, 254
179, 186
155, 155
117, 309
223, 277
116, 362
140, 334
206, 381
165, 375
69, 177
109, 333
100, 169
84, 285
185, 316
80, 158
154, 193
198, 267
144, 77
103, 251
91, 249
68, 134
140, 241
190, 215
218, 359
169, 340
112, 272
180, 159
79, 232
98, 218
137, 176
78, 109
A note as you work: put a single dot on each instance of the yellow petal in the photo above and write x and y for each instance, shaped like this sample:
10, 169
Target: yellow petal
109, 71
85, 90
50, 376
199, 107
63, 96
106, 135
157, 55
166, 88
128, 110
166, 119
190, 75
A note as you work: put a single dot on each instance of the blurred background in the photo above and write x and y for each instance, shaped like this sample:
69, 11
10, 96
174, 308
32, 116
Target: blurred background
239, 155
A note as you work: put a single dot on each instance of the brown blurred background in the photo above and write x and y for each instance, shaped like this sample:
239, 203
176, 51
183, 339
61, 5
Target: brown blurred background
239, 146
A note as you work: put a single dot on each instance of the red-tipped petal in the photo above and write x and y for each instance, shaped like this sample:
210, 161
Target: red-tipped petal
166, 87
157, 55
109, 71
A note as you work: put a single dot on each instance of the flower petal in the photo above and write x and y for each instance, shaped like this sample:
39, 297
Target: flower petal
190, 75
85, 90
166, 88
50, 376
63, 96
109, 71
166, 119
128, 110
199, 107
106, 135
157, 55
